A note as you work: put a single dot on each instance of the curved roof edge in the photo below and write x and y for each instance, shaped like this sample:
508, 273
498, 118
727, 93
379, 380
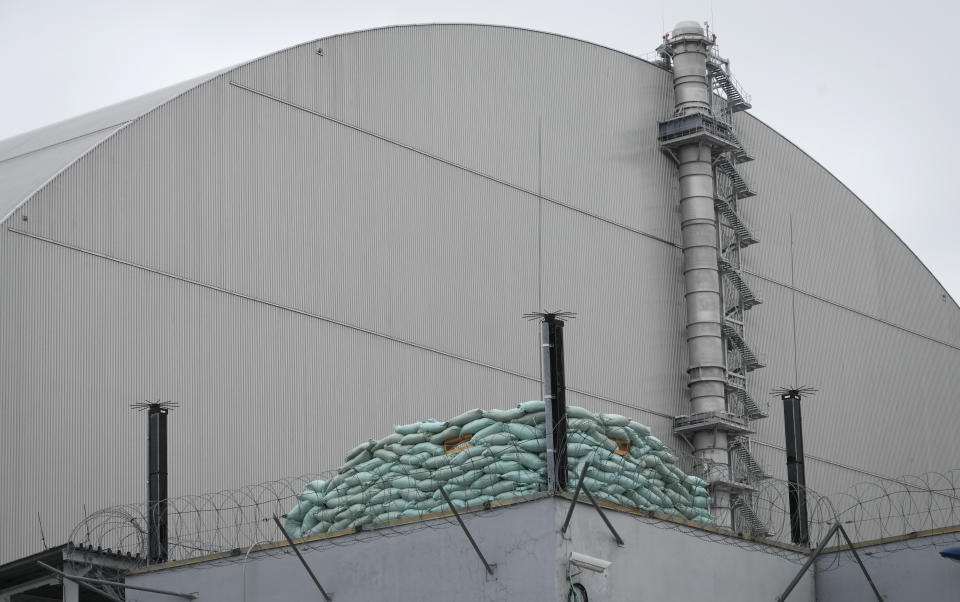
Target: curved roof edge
156, 99
861, 201
37, 170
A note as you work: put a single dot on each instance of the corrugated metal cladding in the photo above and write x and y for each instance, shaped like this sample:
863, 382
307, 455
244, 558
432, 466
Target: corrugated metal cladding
312, 247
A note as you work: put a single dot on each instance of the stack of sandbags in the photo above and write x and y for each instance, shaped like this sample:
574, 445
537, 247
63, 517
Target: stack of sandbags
486, 455
631, 467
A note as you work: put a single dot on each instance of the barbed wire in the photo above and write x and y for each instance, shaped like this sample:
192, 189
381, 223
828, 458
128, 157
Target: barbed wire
230, 522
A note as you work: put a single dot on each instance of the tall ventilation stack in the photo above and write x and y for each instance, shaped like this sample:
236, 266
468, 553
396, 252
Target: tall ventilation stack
700, 137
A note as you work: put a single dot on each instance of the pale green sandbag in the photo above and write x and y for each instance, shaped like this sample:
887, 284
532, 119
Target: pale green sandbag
506, 495
431, 426
700, 490
503, 467
458, 458
522, 431
415, 459
665, 456
466, 478
496, 439
576, 450
360, 458
354, 489
340, 525
428, 447
299, 511
583, 425
499, 488
522, 476
398, 448
613, 420
616, 432
317, 485
310, 496
412, 494
437, 462
499, 450
369, 465
533, 445
466, 418
535, 419
478, 462
403, 482
578, 412
602, 475
475, 426
385, 495
413, 439
360, 478
451, 432
407, 429
490, 429
531, 407
386, 517
485, 480
446, 473
603, 495
654, 443
528, 460
640, 429
385, 455
479, 500
318, 529
355, 451
428, 484
465, 494
425, 504
701, 502
360, 520
389, 440
397, 505
504, 415
310, 520
351, 512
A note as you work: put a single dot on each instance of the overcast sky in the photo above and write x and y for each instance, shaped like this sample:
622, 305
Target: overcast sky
866, 88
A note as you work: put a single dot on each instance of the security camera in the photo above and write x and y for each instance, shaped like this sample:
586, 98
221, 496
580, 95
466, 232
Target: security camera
590, 563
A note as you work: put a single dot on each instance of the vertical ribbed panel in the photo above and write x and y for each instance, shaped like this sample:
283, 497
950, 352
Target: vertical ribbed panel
627, 340
842, 251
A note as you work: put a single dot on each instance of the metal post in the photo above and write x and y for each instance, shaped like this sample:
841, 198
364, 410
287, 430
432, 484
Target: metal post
573, 502
296, 550
84, 580
823, 543
157, 482
796, 477
476, 548
555, 397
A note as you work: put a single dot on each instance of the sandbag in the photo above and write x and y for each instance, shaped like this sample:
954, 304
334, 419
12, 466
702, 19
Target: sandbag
451, 432
578, 412
497, 439
414, 459
490, 429
534, 419
462, 456
354, 452
639, 429
499, 488
522, 476
407, 429
360, 458
437, 462
317, 485
531, 407
390, 439
413, 439
428, 447
534, 446
475, 426
528, 460
385, 455
431, 426
613, 420
503, 467
504, 415
522, 431
466, 418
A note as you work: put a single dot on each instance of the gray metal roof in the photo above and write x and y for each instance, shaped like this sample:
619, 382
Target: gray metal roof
30, 160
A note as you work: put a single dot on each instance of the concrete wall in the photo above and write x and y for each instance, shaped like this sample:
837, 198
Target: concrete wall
524, 541
912, 571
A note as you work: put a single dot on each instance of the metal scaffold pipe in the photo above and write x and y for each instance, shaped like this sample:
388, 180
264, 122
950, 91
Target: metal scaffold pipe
688, 46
